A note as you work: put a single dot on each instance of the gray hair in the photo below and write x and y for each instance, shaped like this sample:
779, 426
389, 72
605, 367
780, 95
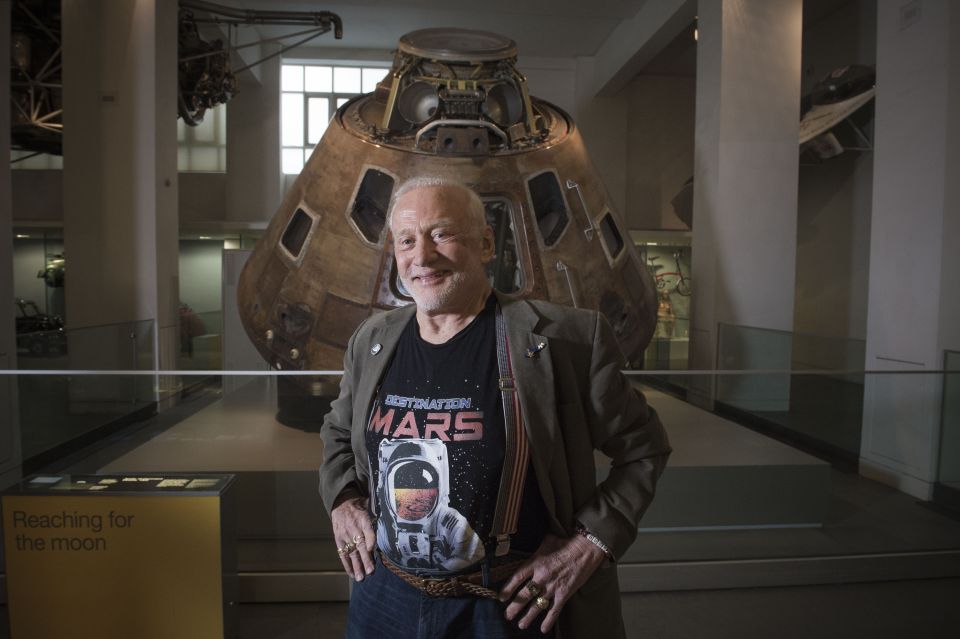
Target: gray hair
475, 208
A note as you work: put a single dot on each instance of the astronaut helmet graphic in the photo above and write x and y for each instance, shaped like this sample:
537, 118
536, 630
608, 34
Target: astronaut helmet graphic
414, 477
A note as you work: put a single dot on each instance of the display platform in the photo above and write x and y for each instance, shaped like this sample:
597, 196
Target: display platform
723, 475
150, 556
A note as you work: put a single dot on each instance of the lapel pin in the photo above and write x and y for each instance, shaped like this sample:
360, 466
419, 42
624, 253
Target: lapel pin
534, 351
375, 348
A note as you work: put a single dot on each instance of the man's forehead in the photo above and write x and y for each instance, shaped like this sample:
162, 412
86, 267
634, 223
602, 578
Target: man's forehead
409, 218
441, 205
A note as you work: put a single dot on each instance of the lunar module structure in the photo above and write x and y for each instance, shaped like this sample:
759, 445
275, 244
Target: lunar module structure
454, 106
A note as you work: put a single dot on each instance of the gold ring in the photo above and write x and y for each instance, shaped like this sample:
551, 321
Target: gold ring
357, 539
542, 603
346, 549
533, 588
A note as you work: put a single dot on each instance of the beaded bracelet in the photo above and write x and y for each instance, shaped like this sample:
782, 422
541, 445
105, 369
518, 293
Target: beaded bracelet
593, 539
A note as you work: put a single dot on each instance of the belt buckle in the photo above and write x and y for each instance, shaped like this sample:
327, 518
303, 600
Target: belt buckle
430, 587
436, 587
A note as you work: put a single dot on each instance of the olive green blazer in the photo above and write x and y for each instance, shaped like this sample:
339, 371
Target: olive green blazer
574, 400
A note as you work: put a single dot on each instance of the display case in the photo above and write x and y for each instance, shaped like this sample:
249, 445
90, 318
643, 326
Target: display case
667, 255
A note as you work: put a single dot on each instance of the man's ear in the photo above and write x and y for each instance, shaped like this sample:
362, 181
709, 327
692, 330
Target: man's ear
487, 245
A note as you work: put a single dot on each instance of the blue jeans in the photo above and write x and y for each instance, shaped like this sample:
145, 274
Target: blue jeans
383, 605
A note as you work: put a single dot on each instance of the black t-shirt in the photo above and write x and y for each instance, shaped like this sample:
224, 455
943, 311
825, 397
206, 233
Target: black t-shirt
435, 439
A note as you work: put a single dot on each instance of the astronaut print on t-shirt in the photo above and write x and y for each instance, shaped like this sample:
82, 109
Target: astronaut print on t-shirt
417, 522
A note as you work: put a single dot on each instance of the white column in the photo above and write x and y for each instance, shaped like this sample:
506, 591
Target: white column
120, 176
912, 309
9, 415
253, 147
745, 197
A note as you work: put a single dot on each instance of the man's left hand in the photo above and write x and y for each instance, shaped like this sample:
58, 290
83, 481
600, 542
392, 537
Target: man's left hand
557, 570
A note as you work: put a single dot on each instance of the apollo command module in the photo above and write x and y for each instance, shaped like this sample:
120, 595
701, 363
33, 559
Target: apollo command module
453, 105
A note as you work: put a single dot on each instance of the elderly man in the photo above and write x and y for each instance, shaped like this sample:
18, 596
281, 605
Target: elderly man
458, 459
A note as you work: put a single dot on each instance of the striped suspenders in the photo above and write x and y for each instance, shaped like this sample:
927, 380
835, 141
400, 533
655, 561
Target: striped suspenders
516, 449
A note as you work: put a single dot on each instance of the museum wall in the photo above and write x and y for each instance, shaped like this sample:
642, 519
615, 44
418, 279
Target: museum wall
603, 124
552, 79
202, 260
950, 260
37, 195
833, 210
660, 130
203, 197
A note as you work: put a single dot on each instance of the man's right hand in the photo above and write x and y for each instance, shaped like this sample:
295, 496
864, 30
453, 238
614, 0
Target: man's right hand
351, 525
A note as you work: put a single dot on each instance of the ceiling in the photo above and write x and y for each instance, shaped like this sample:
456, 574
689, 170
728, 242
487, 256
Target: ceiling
541, 28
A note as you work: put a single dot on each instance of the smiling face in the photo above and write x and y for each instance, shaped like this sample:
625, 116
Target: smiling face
440, 249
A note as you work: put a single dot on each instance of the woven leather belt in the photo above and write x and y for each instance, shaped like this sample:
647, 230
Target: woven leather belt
456, 586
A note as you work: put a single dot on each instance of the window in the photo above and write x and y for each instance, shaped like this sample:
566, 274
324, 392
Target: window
297, 231
369, 210
311, 94
548, 206
503, 270
610, 234
203, 148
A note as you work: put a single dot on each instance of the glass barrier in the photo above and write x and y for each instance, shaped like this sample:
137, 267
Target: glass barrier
59, 407
727, 474
824, 409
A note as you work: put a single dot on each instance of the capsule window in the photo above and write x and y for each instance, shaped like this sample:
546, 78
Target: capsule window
503, 270
369, 210
548, 206
611, 236
295, 236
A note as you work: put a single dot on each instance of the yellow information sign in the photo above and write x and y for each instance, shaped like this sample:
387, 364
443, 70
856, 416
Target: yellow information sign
99, 565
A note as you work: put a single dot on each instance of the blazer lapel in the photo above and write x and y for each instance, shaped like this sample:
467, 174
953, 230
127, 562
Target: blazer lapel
369, 367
